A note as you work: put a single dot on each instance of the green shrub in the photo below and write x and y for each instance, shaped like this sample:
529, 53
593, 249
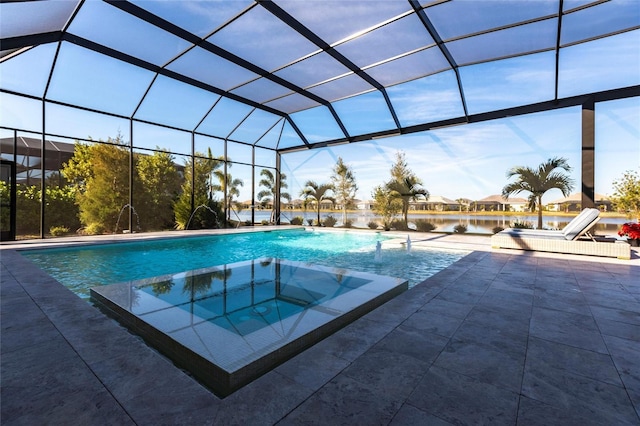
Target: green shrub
460, 229
522, 225
297, 220
347, 223
58, 231
311, 221
264, 222
399, 225
330, 221
497, 229
95, 228
373, 225
424, 226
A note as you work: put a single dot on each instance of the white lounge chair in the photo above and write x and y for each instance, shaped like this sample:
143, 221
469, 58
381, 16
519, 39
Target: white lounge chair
565, 241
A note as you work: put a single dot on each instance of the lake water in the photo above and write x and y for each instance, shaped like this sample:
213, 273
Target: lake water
482, 224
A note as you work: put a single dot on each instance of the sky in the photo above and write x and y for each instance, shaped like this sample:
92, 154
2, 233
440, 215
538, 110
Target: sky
471, 161
467, 161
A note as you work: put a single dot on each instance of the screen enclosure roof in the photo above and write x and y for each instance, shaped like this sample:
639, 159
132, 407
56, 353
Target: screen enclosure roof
291, 74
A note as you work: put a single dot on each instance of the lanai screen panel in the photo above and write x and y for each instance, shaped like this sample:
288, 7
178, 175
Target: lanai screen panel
322, 69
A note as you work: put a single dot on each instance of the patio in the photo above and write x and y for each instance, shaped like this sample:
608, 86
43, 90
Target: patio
500, 337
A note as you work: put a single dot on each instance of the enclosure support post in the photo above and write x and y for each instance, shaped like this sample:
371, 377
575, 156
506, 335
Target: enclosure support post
253, 185
588, 153
193, 173
131, 167
227, 213
43, 186
276, 198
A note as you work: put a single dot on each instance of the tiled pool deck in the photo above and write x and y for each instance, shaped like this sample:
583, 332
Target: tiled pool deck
500, 337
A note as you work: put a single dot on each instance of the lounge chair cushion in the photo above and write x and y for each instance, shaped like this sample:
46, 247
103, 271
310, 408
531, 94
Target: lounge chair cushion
580, 224
574, 229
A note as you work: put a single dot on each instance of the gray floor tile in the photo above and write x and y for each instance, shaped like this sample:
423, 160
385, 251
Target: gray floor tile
543, 354
614, 314
136, 372
460, 399
356, 338
625, 354
566, 301
563, 327
445, 307
161, 407
568, 391
484, 363
497, 337
535, 413
267, 400
424, 347
83, 405
619, 329
557, 281
461, 294
505, 320
412, 416
313, 368
433, 322
390, 374
344, 401
35, 329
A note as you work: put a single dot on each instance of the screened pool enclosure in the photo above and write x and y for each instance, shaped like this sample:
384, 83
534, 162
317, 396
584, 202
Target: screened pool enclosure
232, 87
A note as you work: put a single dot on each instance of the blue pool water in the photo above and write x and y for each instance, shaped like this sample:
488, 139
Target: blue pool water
81, 268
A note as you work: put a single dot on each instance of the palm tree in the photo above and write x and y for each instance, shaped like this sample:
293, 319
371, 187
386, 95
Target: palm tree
318, 193
405, 185
268, 194
408, 189
229, 187
538, 181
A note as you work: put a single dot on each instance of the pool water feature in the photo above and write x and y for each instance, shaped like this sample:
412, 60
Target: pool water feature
230, 324
80, 268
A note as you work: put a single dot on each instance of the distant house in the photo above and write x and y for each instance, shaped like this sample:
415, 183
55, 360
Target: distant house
296, 204
573, 203
499, 203
365, 204
247, 204
435, 203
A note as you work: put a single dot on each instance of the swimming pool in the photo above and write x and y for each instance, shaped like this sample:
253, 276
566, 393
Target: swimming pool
230, 307
80, 268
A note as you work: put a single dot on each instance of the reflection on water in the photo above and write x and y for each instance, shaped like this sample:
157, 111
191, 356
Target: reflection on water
248, 296
445, 223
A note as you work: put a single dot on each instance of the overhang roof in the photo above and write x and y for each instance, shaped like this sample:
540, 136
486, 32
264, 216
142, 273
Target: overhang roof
290, 74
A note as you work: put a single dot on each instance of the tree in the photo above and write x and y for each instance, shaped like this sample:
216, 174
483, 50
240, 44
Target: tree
200, 217
538, 181
626, 194
405, 185
99, 174
228, 186
344, 185
161, 182
318, 193
268, 194
386, 204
